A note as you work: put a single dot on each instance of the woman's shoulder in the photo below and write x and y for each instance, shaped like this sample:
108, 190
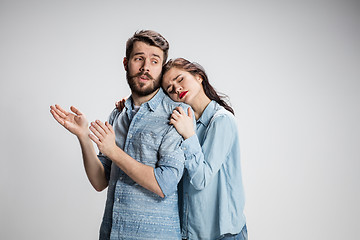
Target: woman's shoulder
220, 113
222, 119
222, 124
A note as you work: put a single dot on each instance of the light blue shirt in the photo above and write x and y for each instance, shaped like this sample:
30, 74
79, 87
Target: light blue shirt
131, 211
212, 187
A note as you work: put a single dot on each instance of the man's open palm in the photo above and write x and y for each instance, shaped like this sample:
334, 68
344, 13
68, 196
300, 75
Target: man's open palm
75, 122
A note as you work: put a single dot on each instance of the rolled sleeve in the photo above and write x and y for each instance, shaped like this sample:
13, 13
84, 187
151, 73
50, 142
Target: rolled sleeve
170, 167
106, 162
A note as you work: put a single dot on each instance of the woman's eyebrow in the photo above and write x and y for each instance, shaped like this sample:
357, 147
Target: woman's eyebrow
176, 77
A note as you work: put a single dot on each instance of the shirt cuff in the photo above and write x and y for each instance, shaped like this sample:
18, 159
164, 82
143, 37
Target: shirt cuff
191, 146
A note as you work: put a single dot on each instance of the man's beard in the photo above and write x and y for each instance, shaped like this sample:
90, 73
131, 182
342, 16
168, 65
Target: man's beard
137, 87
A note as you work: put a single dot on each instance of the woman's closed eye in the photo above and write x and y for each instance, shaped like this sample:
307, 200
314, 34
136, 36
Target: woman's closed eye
170, 90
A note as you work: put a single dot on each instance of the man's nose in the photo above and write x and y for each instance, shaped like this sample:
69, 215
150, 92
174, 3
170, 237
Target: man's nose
145, 67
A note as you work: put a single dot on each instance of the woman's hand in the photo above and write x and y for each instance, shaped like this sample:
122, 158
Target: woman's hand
104, 137
120, 104
183, 122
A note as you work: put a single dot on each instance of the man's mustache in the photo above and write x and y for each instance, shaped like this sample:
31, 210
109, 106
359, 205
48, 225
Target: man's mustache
143, 73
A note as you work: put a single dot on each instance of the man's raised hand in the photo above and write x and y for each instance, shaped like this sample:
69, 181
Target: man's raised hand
74, 122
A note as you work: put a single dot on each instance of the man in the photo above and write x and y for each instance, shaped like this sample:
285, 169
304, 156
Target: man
140, 160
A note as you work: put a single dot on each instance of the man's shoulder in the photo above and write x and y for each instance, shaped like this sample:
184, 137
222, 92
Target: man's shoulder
170, 105
114, 115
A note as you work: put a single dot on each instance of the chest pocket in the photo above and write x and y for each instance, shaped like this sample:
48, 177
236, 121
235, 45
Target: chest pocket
145, 147
150, 139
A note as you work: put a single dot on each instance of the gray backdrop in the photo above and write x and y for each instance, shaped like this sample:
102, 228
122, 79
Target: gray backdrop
290, 68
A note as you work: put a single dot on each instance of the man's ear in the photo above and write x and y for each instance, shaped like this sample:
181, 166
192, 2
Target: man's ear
125, 62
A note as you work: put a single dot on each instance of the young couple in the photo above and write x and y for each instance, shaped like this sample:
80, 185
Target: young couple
143, 156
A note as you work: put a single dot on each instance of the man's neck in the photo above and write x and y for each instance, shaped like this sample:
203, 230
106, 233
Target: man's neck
138, 100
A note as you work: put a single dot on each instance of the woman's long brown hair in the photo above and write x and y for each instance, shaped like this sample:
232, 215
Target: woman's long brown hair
197, 70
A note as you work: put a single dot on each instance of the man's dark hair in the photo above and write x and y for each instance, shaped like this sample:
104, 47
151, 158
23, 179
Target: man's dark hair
149, 37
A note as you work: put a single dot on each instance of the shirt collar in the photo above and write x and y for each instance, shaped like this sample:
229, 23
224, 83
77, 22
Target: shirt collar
208, 113
152, 103
156, 100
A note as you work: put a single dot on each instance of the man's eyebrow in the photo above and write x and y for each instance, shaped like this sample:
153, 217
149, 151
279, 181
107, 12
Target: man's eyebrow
141, 53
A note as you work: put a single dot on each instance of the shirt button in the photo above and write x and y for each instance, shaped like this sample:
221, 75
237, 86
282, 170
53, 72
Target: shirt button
130, 135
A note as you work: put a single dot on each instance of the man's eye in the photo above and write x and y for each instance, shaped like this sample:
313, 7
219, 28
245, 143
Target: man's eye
155, 61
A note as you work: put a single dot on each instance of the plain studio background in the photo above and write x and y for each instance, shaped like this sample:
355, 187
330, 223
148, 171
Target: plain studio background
290, 68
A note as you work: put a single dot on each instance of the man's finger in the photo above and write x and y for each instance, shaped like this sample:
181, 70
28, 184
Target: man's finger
94, 139
96, 131
61, 109
75, 110
102, 126
57, 117
108, 125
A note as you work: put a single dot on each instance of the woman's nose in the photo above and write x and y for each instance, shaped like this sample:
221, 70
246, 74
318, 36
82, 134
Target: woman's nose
178, 89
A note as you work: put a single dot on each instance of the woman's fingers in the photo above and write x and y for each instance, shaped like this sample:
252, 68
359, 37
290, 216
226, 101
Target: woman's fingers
181, 110
172, 122
175, 115
190, 114
120, 104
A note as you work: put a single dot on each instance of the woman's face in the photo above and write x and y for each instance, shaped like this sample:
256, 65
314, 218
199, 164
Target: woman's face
181, 85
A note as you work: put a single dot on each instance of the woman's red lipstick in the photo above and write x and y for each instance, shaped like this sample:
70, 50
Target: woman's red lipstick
181, 95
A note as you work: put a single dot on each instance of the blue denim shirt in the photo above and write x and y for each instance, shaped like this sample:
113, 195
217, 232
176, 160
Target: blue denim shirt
131, 211
213, 195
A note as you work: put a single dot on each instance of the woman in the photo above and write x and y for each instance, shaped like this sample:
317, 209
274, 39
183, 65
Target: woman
212, 193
